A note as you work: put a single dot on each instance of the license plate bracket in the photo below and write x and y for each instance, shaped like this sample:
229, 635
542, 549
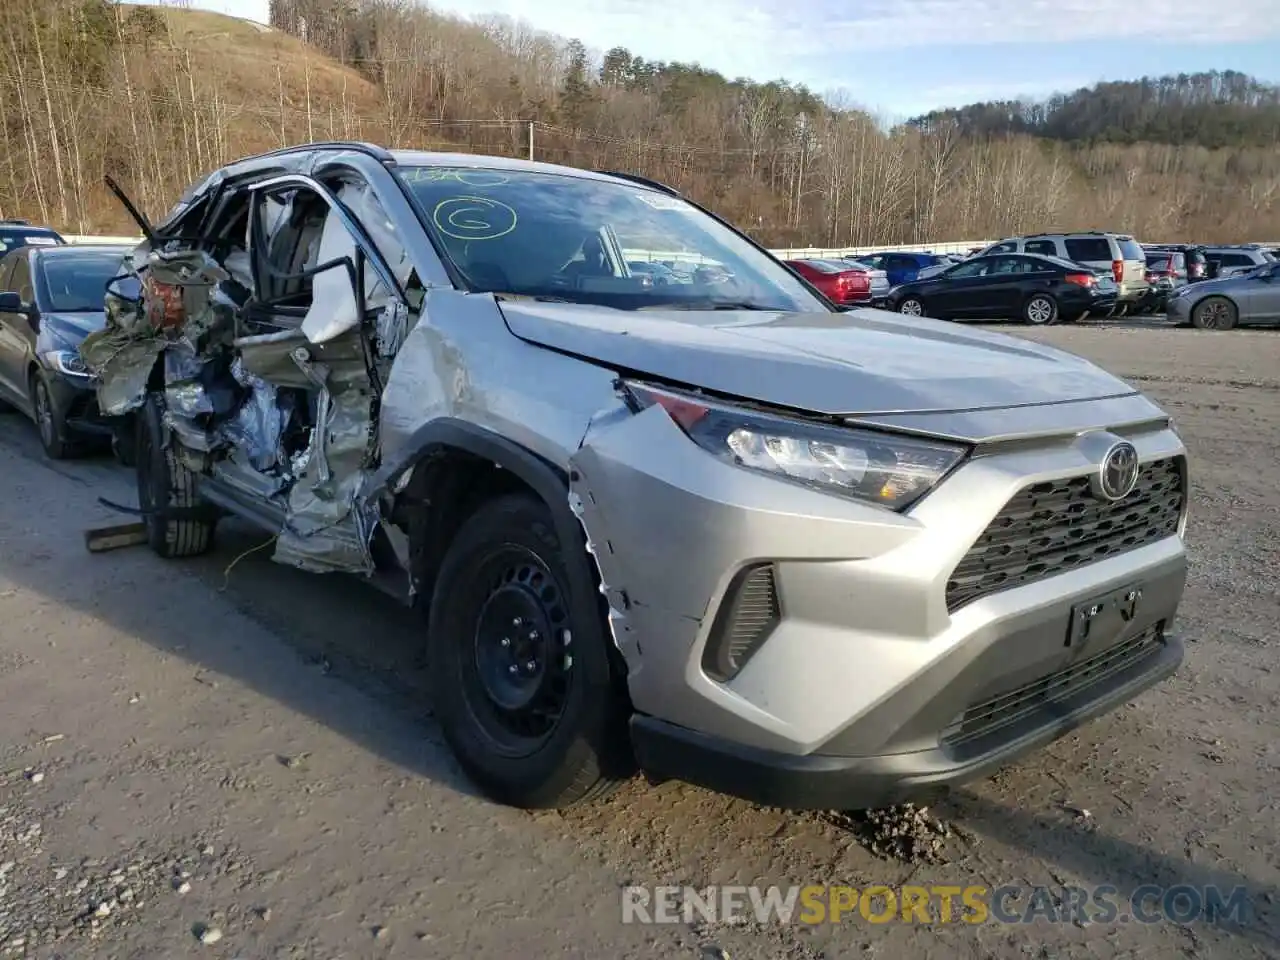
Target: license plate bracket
1104, 618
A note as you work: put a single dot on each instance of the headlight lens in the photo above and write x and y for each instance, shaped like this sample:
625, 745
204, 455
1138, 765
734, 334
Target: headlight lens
885, 469
68, 363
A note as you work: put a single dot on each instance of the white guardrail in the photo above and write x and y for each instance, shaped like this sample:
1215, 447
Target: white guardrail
790, 253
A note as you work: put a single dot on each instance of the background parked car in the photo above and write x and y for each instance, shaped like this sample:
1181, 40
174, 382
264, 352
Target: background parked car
840, 282
902, 267
20, 233
1194, 261
1166, 272
1039, 290
1237, 259
1245, 298
52, 299
1116, 254
880, 284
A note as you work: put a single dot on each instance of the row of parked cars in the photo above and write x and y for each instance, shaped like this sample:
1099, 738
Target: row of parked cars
695, 521
1047, 278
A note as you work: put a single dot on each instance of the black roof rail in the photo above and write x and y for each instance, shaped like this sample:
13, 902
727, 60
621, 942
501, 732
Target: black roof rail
644, 181
381, 154
16, 222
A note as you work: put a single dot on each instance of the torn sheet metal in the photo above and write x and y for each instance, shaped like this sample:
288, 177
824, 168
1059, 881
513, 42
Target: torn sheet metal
258, 426
329, 526
184, 392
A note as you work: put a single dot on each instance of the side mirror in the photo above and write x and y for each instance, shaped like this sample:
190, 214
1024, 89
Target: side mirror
11, 302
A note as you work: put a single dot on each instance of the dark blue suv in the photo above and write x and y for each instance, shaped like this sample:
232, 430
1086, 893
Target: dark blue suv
899, 266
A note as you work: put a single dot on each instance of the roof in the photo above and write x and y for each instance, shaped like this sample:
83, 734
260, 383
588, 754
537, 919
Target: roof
422, 158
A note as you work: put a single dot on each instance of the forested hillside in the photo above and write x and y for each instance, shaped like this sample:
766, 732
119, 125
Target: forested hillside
155, 96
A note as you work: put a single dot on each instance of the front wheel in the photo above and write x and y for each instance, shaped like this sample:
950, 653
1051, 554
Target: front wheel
911, 307
1215, 313
49, 420
1040, 310
519, 661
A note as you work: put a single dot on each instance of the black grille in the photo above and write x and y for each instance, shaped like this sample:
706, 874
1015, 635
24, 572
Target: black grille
990, 715
1059, 525
744, 621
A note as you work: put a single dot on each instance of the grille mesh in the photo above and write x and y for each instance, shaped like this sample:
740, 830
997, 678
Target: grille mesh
744, 622
1058, 525
989, 715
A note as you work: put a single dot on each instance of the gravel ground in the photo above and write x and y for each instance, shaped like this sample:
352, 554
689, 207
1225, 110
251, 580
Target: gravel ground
240, 762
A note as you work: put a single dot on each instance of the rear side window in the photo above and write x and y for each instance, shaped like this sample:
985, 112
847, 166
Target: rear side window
1196, 256
1044, 247
1236, 260
1179, 262
1130, 249
1095, 249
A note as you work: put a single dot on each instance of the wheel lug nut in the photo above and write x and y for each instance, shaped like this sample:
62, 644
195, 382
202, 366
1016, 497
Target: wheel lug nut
512, 668
517, 622
531, 666
506, 641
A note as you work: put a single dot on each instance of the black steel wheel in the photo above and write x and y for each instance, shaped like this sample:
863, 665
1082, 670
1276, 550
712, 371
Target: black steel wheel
518, 653
517, 677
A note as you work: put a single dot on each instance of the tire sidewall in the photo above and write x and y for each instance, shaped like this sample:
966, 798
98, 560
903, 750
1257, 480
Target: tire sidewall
588, 730
1196, 314
58, 447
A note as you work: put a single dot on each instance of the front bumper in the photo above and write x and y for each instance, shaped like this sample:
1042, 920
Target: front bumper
866, 669
77, 400
1178, 309
824, 781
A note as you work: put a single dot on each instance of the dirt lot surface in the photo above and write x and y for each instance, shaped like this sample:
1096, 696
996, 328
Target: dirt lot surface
243, 756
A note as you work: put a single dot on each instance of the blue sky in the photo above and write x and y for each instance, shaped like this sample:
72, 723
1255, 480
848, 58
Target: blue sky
902, 57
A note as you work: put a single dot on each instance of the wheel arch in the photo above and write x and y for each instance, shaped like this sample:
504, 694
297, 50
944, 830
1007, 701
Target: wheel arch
452, 467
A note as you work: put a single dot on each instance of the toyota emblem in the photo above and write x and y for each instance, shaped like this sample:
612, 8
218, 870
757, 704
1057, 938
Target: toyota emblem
1118, 473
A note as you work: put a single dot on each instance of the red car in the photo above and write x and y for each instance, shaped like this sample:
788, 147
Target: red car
839, 282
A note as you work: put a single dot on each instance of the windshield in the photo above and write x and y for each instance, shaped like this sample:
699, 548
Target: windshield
76, 283
570, 238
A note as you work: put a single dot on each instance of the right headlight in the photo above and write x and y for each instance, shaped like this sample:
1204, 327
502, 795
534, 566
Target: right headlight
884, 469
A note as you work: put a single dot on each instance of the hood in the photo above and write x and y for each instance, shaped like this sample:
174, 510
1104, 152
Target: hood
859, 362
71, 328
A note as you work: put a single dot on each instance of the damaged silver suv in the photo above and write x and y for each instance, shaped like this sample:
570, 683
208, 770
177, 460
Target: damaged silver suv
692, 518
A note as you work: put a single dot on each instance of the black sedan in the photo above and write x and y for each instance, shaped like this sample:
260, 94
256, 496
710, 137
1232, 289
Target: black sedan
51, 298
1007, 286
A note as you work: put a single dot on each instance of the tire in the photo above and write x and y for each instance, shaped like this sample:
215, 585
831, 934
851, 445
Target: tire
1121, 310
1214, 313
1040, 310
50, 421
912, 307
506, 570
165, 483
